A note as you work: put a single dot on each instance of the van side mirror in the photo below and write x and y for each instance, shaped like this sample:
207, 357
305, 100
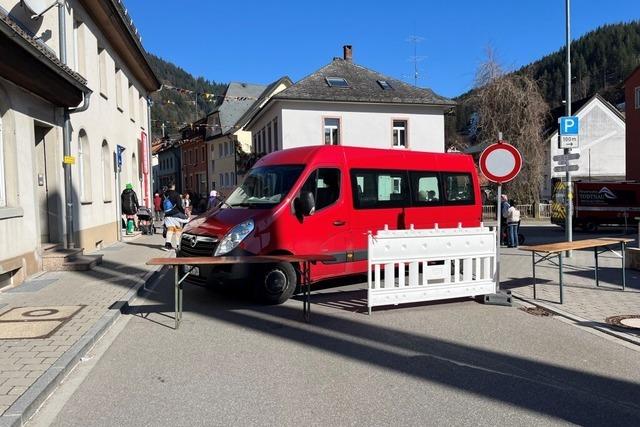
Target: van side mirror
305, 204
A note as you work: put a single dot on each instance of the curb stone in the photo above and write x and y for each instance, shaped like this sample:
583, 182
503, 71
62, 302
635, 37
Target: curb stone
26, 405
583, 322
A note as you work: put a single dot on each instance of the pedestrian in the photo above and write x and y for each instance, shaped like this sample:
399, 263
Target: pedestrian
504, 209
186, 204
157, 206
174, 217
513, 220
212, 202
130, 205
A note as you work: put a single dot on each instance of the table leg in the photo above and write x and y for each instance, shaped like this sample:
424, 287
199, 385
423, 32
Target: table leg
176, 285
533, 264
624, 284
306, 286
180, 293
595, 251
560, 270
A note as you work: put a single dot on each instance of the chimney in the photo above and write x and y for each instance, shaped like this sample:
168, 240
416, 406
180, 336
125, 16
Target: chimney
348, 52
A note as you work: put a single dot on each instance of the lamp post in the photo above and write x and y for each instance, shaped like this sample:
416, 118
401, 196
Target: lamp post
569, 192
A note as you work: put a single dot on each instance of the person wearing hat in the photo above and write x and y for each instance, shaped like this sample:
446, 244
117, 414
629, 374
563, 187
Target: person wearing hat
130, 204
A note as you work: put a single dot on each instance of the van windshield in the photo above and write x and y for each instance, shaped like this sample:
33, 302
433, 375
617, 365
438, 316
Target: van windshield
265, 187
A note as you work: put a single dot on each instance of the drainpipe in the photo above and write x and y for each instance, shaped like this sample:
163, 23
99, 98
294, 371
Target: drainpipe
66, 127
150, 156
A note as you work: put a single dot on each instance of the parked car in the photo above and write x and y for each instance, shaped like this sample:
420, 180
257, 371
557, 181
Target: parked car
324, 200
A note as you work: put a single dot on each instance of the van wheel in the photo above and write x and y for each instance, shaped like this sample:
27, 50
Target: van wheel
277, 284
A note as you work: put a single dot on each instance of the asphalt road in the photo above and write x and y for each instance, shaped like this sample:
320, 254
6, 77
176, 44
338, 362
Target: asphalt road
236, 363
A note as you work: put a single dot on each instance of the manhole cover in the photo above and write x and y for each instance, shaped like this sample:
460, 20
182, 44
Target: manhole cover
631, 321
34, 322
536, 311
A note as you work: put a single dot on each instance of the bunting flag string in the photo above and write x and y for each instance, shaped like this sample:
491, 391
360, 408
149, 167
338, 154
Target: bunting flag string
205, 95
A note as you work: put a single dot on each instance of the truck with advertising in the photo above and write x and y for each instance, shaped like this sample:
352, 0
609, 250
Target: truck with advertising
597, 204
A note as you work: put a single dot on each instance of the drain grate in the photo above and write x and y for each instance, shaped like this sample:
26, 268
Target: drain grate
536, 311
629, 321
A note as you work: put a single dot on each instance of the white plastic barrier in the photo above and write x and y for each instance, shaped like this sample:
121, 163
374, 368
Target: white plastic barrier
431, 264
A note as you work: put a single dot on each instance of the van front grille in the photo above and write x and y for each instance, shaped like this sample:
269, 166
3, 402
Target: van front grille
192, 245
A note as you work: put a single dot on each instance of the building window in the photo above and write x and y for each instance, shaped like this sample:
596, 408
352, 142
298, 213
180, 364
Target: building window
263, 137
638, 98
259, 142
337, 82
3, 191
331, 131
118, 88
102, 71
132, 103
135, 177
269, 146
255, 143
106, 172
78, 47
275, 134
384, 85
142, 111
399, 133
84, 167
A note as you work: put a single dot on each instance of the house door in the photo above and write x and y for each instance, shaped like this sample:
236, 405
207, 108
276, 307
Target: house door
42, 185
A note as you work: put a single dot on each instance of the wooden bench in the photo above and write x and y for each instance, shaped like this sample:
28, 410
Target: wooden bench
550, 250
192, 262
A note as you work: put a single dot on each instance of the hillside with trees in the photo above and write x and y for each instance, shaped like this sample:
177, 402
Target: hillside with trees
601, 60
174, 108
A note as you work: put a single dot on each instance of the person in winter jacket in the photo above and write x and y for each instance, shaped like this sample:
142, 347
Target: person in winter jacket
130, 204
157, 206
513, 220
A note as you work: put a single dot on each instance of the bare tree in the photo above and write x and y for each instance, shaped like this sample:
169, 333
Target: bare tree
512, 104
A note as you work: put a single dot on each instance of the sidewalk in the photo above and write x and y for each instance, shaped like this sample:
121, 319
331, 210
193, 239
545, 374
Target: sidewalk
584, 303
67, 312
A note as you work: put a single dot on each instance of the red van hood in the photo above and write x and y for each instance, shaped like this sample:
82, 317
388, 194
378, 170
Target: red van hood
220, 221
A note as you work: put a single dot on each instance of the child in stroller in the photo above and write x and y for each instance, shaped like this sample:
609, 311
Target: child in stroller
145, 220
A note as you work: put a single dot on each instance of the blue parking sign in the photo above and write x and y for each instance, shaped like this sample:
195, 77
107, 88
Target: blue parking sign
569, 125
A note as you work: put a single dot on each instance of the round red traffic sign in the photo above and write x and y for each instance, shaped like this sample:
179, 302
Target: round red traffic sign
500, 162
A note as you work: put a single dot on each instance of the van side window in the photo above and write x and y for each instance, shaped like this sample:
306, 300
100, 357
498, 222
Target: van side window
458, 188
425, 188
379, 189
324, 184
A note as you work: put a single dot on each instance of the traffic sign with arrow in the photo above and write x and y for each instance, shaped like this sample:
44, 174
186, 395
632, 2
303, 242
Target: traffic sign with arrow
565, 157
565, 168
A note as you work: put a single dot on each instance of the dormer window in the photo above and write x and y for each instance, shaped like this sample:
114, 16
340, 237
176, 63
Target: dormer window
337, 82
385, 85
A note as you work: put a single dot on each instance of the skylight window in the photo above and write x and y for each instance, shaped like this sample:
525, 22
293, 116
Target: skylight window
385, 85
336, 82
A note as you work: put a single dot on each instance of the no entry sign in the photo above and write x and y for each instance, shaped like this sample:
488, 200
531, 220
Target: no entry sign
500, 162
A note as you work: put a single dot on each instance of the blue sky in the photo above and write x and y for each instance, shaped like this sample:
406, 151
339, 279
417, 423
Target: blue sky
260, 41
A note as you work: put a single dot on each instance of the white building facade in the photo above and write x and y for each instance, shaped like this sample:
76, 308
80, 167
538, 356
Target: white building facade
105, 57
346, 104
602, 146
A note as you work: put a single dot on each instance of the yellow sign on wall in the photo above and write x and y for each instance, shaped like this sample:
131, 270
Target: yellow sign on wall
69, 160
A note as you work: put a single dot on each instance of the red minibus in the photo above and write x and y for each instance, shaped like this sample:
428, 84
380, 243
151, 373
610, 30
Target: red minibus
324, 200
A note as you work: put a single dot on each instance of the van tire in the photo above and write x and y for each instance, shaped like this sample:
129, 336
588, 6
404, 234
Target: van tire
278, 283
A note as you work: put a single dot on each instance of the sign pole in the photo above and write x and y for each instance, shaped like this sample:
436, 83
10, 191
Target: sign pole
569, 193
499, 228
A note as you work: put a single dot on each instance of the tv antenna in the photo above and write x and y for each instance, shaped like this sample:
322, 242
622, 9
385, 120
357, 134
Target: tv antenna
415, 58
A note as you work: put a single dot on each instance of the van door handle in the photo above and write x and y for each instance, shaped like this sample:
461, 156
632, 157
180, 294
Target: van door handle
339, 222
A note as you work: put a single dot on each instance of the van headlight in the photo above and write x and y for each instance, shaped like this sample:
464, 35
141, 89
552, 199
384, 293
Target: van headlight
233, 238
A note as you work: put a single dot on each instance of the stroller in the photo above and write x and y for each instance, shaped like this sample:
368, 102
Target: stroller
145, 221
